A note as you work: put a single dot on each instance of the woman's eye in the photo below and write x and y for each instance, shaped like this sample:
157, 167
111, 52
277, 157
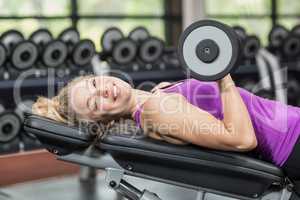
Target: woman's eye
96, 108
94, 83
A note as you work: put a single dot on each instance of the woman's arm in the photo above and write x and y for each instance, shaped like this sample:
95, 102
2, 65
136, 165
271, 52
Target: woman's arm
173, 116
235, 112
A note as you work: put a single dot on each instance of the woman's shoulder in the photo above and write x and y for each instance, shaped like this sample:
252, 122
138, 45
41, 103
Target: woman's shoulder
163, 102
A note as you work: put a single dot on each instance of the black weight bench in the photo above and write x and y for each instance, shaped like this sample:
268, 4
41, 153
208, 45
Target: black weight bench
218, 172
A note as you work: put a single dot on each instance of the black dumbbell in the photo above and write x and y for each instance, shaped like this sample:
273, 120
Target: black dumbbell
124, 51
209, 50
241, 32
54, 54
10, 125
116, 48
70, 36
83, 52
251, 46
3, 55
296, 30
41, 37
291, 46
10, 39
80, 52
22, 53
276, 37
150, 49
109, 38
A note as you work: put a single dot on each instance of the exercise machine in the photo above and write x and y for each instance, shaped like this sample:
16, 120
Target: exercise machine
208, 51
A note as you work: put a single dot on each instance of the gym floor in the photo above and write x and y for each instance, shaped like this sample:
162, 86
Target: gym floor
70, 188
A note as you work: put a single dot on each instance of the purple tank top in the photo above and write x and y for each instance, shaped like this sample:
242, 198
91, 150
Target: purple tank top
276, 125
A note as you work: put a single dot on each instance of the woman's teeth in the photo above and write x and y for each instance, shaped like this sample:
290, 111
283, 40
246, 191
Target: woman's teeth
115, 92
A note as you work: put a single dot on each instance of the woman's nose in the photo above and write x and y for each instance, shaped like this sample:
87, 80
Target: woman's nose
103, 92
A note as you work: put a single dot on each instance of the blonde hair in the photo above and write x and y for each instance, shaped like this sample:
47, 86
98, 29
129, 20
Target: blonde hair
57, 108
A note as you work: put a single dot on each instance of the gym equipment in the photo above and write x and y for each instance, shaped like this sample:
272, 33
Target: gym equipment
276, 37
83, 52
3, 55
124, 51
240, 31
251, 46
139, 34
209, 50
291, 46
10, 39
109, 37
41, 37
29, 141
24, 55
70, 36
296, 30
151, 49
215, 175
10, 125
54, 53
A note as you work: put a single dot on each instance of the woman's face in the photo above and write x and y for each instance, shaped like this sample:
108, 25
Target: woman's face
100, 98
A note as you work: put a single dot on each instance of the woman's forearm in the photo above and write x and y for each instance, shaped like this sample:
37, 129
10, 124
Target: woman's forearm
236, 116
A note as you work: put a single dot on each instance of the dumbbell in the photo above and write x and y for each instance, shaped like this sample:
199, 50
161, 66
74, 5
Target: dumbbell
10, 125
209, 50
150, 48
276, 37
41, 37
80, 52
291, 46
3, 55
251, 46
22, 53
240, 31
296, 30
249, 43
116, 47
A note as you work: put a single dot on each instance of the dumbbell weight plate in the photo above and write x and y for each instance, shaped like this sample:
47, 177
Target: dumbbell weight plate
70, 35
240, 31
296, 30
291, 46
55, 53
10, 125
3, 54
277, 36
209, 50
10, 38
251, 46
109, 37
124, 51
24, 55
41, 37
151, 50
139, 34
83, 52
